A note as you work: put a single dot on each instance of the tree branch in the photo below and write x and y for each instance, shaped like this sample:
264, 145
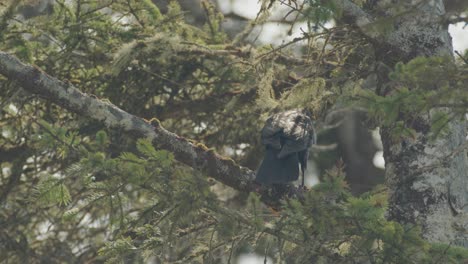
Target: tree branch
394, 42
198, 156
353, 14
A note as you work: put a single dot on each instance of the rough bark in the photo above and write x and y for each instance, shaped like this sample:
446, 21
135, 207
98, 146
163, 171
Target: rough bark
428, 181
423, 189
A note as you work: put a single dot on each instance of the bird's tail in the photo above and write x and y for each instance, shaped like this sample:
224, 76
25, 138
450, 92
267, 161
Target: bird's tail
276, 170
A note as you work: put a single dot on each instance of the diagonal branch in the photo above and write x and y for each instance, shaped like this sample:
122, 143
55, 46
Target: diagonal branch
197, 156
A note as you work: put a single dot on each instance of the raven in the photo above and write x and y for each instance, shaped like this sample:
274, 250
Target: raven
287, 137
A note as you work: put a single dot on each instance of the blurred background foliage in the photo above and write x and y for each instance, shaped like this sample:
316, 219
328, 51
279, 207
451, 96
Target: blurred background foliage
73, 192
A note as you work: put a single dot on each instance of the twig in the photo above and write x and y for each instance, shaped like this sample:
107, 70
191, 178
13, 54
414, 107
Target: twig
461, 57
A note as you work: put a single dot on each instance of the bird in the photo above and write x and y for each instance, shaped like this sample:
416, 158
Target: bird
287, 137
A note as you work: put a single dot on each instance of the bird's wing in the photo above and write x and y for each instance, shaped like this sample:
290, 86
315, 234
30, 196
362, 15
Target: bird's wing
287, 137
271, 134
291, 146
297, 131
289, 131
277, 171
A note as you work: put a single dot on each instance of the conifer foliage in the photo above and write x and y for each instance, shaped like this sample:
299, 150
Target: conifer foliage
172, 182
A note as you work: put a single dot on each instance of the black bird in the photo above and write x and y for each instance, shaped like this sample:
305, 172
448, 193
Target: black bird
287, 137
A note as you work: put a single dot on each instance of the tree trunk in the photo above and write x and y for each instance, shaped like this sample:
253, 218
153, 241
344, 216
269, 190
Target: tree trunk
428, 181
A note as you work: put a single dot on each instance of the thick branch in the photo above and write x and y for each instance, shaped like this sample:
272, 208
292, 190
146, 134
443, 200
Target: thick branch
414, 20
352, 13
66, 95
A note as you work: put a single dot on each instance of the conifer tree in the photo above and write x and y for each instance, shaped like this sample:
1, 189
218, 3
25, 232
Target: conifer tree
130, 134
